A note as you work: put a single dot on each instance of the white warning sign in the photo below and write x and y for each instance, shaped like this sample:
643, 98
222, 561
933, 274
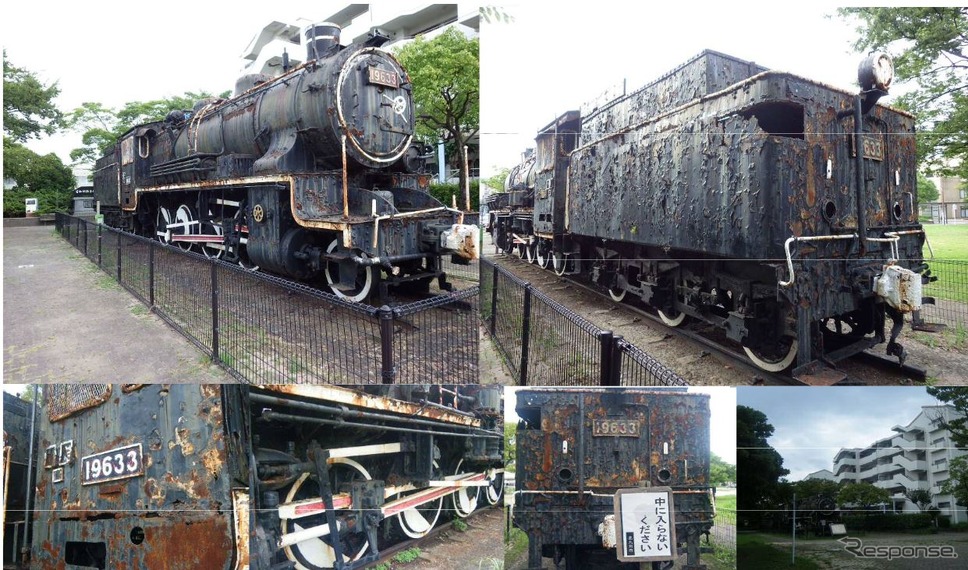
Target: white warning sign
647, 527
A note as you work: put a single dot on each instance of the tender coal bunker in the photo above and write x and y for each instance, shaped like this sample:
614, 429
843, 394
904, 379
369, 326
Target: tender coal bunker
784, 119
86, 554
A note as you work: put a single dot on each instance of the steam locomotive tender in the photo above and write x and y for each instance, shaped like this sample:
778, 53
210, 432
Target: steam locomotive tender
311, 175
224, 477
577, 449
777, 208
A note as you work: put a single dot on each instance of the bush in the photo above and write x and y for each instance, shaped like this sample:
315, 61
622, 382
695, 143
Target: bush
944, 521
48, 201
886, 521
443, 192
960, 527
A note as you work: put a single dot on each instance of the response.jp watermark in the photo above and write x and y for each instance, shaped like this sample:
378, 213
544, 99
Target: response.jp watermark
856, 547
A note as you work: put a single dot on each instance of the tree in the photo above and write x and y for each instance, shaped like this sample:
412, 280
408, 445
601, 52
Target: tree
496, 182
720, 472
446, 88
957, 483
920, 497
28, 104
759, 466
510, 447
35, 172
956, 396
928, 46
927, 189
101, 126
862, 495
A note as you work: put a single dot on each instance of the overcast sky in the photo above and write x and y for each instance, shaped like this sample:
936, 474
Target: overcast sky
548, 61
722, 410
813, 423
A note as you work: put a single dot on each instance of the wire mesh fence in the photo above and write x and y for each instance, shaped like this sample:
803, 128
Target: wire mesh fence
545, 343
950, 293
266, 330
723, 534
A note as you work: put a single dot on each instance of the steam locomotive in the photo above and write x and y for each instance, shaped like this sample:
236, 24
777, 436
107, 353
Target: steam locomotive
596, 468
779, 209
188, 476
313, 175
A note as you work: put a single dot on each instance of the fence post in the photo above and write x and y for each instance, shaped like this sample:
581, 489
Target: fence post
151, 273
118, 263
615, 368
525, 336
494, 300
605, 360
86, 230
99, 262
215, 355
388, 370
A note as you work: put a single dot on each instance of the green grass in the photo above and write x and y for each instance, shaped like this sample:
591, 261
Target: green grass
754, 553
727, 502
949, 241
459, 525
516, 546
408, 555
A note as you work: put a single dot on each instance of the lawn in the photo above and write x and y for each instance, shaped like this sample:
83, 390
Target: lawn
948, 241
753, 553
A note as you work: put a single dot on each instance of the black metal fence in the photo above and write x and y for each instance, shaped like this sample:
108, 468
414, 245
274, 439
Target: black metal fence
950, 292
545, 343
265, 330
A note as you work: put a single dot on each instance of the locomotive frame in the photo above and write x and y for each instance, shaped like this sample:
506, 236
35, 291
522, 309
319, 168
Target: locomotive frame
732, 194
312, 175
257, 477
579, 449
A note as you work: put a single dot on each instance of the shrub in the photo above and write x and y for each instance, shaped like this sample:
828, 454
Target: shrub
887, 521
443, 192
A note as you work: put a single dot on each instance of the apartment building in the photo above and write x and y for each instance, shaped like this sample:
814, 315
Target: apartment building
917, 456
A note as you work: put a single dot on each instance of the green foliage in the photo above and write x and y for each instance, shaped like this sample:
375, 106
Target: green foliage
28, 104
720, 472
101, 126
927, 189
928, 45
760, 465
957, 483
408, 555
862, 495
459, 525
33, 172
887, 521
48, 201
445, 73
445, 193
920, 497
497, 181
510, 447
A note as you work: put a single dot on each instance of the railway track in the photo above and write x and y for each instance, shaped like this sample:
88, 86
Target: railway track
857, 370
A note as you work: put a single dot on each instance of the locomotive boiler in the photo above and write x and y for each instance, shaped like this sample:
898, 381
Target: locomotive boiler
780, 209
313, 175
187, 476
580, 450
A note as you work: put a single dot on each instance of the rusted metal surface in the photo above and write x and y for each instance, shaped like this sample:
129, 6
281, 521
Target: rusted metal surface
165, 517
576, 448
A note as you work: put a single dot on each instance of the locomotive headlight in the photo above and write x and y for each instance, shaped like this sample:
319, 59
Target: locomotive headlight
876, 71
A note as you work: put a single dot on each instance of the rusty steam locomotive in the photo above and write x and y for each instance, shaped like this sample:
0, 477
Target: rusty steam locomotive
596, 468
777, 208
184, 476
312, 175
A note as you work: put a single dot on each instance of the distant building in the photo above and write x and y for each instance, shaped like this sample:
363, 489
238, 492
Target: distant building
952, 202
823, 474
916, 457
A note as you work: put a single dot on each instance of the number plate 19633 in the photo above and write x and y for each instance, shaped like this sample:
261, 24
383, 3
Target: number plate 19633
629, 428
111, 465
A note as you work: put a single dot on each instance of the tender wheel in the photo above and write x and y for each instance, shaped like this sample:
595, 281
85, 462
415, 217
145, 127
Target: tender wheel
774, 362
542, 256
418, 521
464, 498
318, 553
559, 263
494, 491
162, 220
241, 226
365, 277
186, 224
616, 294
530, 252
672, 319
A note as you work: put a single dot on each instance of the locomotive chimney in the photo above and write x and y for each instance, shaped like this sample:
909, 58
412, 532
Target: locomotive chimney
321, 40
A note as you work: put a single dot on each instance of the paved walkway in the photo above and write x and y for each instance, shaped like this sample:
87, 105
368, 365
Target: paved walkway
830, 554
66, 321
